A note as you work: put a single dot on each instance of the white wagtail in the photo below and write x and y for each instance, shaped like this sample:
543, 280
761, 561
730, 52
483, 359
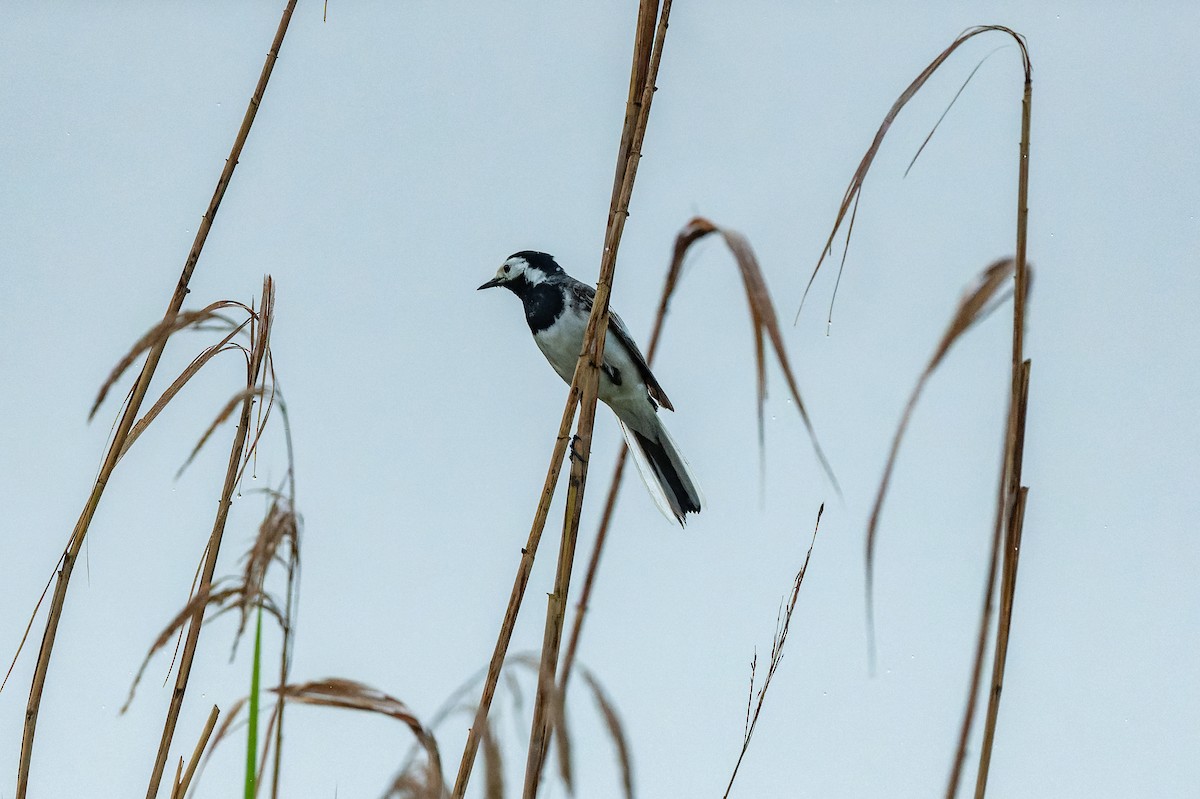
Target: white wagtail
557, 307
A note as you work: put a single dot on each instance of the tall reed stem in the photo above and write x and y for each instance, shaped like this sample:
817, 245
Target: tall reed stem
647, 14
587, 372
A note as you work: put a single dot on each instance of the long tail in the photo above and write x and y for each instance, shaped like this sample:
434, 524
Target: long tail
665, 472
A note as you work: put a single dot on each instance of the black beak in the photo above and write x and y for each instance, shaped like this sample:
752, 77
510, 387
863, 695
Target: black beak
491, 284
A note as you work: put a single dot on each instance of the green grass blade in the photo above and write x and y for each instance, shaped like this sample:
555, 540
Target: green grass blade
252, 726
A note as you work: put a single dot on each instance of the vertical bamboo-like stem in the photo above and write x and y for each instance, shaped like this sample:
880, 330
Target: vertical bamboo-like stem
587, 373
1016, 493
645, 23
1008, 584
1011, 502
253, 371
614, 488
479, 726
128, 417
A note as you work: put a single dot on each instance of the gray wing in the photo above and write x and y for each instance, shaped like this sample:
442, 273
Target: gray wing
585, 295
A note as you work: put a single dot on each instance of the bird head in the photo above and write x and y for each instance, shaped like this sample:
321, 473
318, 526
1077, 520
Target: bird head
522, 270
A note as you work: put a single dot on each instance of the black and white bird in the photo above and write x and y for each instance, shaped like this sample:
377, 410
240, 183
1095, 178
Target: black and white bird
557, 307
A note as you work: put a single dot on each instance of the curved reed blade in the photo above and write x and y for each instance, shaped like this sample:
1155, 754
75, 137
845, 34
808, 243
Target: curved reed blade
971, 308
763, 318
177, 385
850, 198
612, 723
156, 338
352, 695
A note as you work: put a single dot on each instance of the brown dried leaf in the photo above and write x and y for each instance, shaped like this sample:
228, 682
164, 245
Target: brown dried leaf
193, 368
612, 722
856, 181
225, 412
970, 309
223, 598
762, 317
352, 695
202, 599
156, 335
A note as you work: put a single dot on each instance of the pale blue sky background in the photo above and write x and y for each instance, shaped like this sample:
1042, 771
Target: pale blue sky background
402, 151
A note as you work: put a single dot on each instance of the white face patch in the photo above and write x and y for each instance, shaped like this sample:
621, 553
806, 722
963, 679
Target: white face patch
515, 267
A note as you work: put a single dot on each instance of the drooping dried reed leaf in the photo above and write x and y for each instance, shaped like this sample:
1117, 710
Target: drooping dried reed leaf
850, 198
156, 335
224, 598
762, 317
612, 722
968, 312
25, 635
226, 411
201, 599
949, 105
353, 695
193, 368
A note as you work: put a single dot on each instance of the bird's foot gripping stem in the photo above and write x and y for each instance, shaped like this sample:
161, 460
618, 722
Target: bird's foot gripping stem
576, 455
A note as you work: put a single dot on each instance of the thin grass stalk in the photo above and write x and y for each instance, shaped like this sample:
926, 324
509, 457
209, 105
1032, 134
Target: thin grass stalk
129, 416
647, 13
968, 719
253, 372
1014, 444
587, 372
1008, 584
581, 607
782, 626
285, 662
524, 568
181, 785
614, 489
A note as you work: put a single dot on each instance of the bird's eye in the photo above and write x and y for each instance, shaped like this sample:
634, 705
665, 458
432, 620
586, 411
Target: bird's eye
507, 268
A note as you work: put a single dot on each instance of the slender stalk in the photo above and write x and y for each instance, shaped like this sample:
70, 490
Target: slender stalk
614, 489
589, 581
587, 373
1015, 445
128, 417
524, 568
646, 17
1008, 585
285, 662
183, 783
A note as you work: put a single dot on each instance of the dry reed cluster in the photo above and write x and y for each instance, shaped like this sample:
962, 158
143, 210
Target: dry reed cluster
246, 330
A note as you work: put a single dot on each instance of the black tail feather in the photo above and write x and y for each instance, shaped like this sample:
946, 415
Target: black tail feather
684, 500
